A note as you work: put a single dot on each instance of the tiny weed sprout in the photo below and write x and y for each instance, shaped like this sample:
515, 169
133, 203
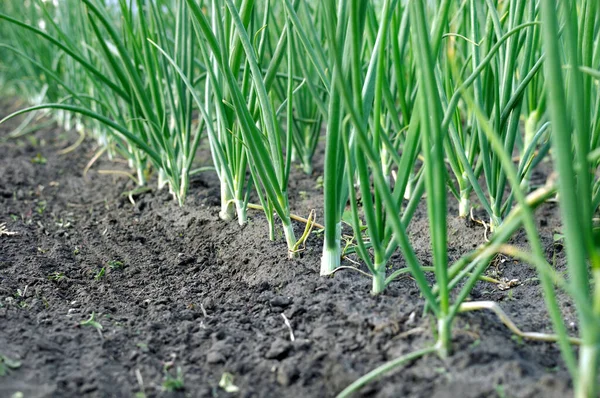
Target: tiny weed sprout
92, 322
115, 264
400, 112
100, 274
4, 230
173, 383
39, 159
7, 364
226, 383
56, 276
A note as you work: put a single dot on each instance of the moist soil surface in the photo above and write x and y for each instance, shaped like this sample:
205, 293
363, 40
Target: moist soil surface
185, 291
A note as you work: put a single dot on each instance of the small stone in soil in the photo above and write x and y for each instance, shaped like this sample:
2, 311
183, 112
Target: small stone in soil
196, 355
208, 303
280, 301
287, 373
133, 355
87, 388
296, 310
214, 357
182, 259
302, 344
155, 326
279, 349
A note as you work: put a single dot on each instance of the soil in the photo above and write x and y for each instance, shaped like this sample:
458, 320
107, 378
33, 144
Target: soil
182, 289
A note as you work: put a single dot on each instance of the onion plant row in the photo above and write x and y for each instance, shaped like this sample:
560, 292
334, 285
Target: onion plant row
441, 104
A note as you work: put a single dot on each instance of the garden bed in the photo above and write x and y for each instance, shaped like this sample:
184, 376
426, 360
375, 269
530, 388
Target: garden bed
183, 289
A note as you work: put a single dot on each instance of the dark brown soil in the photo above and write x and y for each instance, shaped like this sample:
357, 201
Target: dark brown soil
208, 298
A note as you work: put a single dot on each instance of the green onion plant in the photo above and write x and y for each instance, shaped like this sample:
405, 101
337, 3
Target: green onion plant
136, 93
469, 268
269, 156
571, 41
499, 86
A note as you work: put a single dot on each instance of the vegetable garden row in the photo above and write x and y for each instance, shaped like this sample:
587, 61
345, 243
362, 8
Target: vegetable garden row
415, 101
